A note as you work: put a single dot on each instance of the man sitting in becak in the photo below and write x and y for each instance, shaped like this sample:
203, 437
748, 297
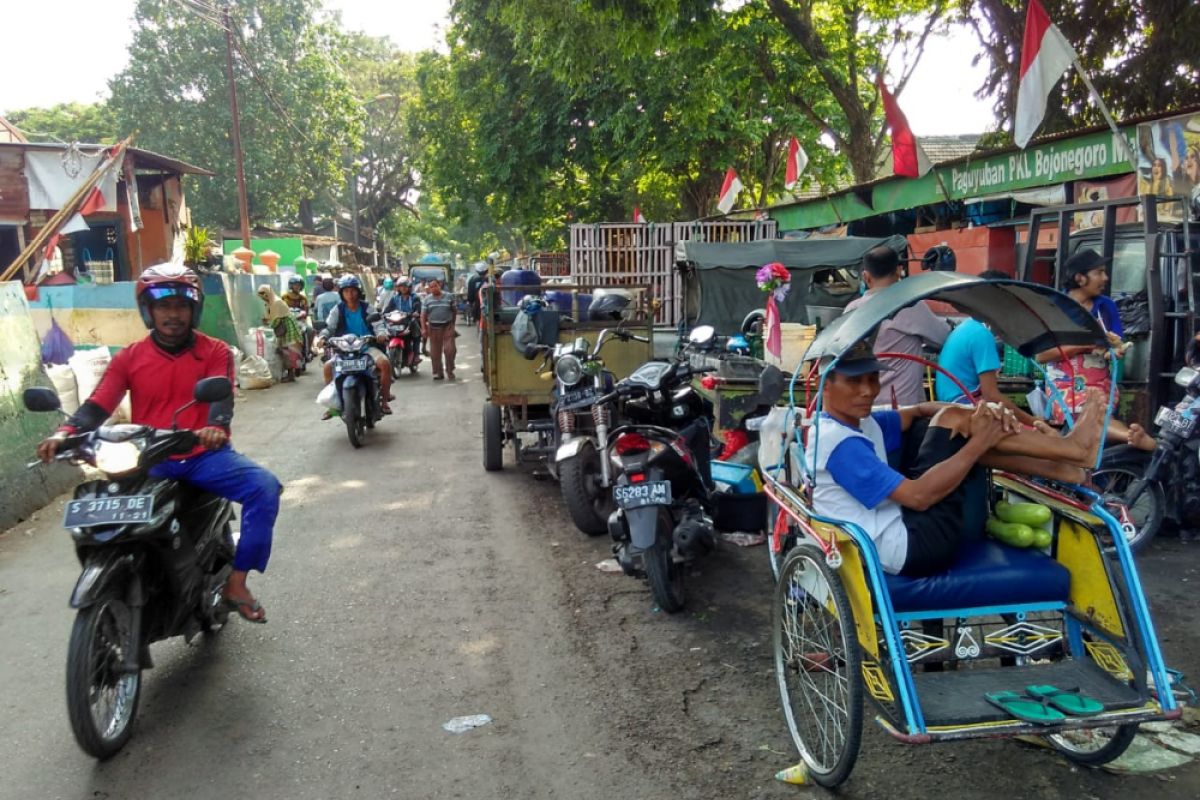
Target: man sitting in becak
915, 514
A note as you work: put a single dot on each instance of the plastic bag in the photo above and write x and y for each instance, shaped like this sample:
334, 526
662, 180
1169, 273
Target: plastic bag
56, 347
63, 378
261, 342
329, 398
254, 373
1135, 313
89, 367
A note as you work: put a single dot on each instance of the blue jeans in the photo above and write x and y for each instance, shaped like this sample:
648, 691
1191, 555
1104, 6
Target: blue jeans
231, 475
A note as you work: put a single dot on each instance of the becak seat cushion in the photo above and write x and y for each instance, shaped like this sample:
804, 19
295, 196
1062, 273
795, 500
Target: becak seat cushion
985, 573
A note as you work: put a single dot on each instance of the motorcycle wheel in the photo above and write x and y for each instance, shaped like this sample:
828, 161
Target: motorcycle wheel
352, 416
662, 573
214, 618
581, 481
1146, 514
394, 360
101, 700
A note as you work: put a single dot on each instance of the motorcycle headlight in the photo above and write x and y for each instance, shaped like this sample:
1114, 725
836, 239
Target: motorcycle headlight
569, 370
116, 458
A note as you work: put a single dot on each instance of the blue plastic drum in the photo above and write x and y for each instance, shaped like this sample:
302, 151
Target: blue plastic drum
518, 277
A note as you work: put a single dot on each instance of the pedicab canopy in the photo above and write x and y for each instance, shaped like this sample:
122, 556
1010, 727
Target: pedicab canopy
718, 277
1029, 317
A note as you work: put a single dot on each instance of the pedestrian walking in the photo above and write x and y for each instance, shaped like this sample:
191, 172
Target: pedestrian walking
437, 325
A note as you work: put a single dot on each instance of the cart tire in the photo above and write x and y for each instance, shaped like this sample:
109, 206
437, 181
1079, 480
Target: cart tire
1150, 508
586, 498
664, 576
817, 665
1118, 741
493, 438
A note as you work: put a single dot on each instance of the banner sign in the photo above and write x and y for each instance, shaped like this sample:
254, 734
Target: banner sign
1169, 161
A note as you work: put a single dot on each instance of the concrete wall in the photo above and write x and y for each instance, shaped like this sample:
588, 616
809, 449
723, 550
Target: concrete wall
23, 491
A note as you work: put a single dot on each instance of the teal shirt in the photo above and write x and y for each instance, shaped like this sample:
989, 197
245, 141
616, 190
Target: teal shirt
969, 350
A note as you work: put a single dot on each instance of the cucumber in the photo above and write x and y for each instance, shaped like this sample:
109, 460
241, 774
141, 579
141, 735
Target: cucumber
1042, 538
1014, 534
1032, 514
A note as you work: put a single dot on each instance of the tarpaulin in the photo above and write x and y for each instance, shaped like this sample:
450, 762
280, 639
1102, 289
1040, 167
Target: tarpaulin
54, 177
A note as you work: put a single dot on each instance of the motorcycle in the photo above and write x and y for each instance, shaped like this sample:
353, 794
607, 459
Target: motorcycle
1151, 487
357, 384
301, 317
155, 555
664, 506
583, 422
403, 351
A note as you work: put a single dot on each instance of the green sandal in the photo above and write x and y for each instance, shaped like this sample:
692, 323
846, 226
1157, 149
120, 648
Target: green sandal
1068, 701
1027, 709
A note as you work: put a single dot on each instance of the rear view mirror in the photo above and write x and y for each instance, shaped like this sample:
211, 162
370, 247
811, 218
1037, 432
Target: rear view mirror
41, 399
702, 335
212, 390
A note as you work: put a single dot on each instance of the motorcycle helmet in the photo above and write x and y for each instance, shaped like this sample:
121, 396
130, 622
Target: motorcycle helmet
168, 280
940, 258
738, 344
296, 280
388, 284
753, 323
349, 282
480, 267
608, 307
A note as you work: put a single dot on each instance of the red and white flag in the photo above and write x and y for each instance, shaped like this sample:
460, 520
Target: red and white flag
637, 215
908, 157
730, 189
1045, 56
797, 160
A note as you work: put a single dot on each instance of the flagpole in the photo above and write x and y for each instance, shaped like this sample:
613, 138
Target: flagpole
1105, 112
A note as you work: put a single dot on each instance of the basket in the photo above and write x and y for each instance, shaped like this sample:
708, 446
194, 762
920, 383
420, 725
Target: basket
101, 271
1016, 365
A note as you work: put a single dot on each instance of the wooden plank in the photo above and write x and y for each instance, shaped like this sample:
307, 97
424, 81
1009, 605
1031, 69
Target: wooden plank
14, 189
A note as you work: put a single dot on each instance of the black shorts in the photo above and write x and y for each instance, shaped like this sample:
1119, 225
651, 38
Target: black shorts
934, 535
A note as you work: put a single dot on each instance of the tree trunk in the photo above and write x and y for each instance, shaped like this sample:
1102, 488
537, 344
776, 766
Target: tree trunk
307, 222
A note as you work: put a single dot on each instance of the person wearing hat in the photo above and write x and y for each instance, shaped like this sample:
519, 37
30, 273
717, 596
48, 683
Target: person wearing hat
1074, 369
915, 514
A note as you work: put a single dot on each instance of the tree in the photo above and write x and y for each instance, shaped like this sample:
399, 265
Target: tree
89, 123
298, 111
1141, 55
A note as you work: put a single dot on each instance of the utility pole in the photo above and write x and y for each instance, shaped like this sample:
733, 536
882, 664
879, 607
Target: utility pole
243, 213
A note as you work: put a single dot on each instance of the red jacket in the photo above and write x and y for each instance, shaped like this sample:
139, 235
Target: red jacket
159, 383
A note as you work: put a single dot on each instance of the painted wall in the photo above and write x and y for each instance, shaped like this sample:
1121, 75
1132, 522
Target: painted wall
23, 491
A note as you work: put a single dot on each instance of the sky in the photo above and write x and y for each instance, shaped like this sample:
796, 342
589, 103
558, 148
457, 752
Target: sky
89, 42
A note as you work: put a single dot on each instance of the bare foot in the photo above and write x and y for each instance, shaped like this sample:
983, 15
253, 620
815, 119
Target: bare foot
1139, 438
1088, 431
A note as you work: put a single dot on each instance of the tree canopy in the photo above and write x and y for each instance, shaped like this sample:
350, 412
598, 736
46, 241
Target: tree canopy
88, 123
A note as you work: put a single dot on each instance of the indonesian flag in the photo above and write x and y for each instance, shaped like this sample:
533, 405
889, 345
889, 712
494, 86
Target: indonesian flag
908, 157
94, 203
730, 189
637, 216
797, 160
1045, 56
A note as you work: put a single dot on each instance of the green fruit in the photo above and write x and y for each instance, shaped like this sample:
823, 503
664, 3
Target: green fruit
1033, 514
1042, 538
1014, 534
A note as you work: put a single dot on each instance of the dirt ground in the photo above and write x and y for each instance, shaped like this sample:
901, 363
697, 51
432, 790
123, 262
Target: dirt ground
409, 587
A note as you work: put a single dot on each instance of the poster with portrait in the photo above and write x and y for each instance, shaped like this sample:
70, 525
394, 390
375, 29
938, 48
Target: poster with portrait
1169, 162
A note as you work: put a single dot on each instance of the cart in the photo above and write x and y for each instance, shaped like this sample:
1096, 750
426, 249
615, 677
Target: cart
999, 619
517, 412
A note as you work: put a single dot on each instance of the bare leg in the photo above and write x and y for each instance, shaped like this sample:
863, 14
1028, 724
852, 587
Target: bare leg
1133, 433
1037, 467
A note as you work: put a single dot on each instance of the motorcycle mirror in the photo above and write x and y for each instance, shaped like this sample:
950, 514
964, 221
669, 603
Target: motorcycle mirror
212, 390
702, 335
40, 399
770, 385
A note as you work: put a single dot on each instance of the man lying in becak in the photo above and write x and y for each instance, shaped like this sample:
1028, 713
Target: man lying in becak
915, 514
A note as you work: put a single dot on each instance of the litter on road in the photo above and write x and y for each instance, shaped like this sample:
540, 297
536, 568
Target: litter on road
464, 724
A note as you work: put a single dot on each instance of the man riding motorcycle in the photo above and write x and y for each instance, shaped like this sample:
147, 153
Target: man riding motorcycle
159, 372
350, 316
294, 296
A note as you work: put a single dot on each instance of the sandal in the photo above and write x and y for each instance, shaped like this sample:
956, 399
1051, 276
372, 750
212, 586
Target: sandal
245, 608
1026, 709
1068, 701
385, 408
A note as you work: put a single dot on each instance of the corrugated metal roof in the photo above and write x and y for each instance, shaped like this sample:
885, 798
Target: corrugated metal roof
142, 158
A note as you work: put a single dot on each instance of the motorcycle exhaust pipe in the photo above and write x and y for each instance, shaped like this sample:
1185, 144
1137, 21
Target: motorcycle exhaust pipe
695, 536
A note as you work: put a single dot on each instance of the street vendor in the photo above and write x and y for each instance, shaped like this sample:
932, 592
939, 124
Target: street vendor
1073, 370
914, 514
909, 331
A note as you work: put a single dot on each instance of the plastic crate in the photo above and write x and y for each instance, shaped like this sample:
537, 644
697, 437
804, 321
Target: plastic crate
740, 477
1016, 365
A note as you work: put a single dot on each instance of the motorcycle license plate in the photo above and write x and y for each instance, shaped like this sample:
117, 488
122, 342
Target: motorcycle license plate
578, 397
354, 364
636, 495
108, 511
1171, 421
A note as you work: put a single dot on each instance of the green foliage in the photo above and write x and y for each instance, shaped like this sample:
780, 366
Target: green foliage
175, 94
196, 244
89, 123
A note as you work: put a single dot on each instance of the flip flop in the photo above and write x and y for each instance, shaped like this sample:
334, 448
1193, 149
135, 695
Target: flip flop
1027, 709
1068, 701
241, 606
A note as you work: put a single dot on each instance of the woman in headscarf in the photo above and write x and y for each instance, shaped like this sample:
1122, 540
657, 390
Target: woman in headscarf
288, 336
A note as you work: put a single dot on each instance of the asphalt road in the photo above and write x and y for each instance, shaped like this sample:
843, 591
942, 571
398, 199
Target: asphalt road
409, 587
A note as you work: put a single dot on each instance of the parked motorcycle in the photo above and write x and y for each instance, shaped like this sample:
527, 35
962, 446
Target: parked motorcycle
1164, 484
301, 317
357, 382
155, 555
583, 421
403, 350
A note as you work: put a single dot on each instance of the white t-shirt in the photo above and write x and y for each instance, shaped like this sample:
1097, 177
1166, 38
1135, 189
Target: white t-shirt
858, 456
